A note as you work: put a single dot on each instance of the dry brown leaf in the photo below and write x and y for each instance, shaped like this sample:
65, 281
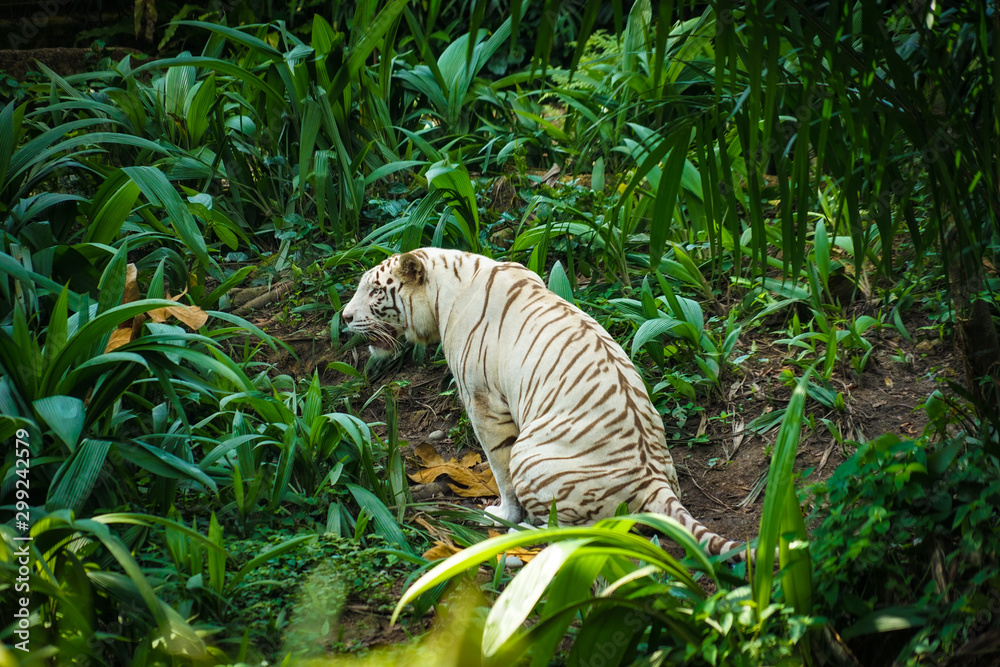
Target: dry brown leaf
425, 524
434, 531
520, 552
482, 486
470, 460
118, 338
445, 548
524, 554
468, 483
428, 455
131, 284
193, 316
441, 550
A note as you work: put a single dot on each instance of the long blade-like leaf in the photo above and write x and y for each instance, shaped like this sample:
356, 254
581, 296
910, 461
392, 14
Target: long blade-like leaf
779, 482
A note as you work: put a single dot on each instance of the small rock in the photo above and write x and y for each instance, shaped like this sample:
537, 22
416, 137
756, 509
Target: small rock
513, 562
437, 435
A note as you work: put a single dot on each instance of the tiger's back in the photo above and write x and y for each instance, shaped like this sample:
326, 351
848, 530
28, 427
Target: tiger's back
556, 403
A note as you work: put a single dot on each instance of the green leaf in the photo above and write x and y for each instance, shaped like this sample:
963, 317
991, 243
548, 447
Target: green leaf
689, 272
666, 195
545, 33
163, 463
679, 534
821, 247
226, 446
559, 282
138, 519
10, 133
216, 558
356, 429
890, 619
391, 168
160, 193
65, 415
199, 110
796, 564
690, 311
55, 337
779, 481
246, 324
533, 236
571, 585
88, 372
346, 369
74, 481
235, 36
283, 473
468, 558
35, 159
608, 633
177, 636
112, 204
111, 288
323, 37
13, 268
516, 602
385, 524
454, 182
239, 493
308, 130
313, 401
597, 175
606, 529
651, 330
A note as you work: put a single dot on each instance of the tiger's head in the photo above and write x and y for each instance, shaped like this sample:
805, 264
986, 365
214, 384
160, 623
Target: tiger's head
391, 302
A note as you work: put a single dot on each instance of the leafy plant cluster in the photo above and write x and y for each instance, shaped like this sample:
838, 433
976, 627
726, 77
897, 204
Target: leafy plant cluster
146, 443
290, 601
903, 543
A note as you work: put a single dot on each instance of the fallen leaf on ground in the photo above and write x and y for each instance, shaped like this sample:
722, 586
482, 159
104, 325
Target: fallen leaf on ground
521, 552
441, 550
468, 483
434, 531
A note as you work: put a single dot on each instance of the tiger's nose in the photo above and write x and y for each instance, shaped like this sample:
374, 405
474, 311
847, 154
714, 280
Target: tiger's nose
346, 316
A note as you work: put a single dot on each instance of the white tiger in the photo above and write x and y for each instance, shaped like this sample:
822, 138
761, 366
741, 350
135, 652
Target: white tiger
556, 403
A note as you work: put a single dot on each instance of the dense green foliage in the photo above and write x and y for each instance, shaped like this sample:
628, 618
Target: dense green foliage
815, 174
905, 539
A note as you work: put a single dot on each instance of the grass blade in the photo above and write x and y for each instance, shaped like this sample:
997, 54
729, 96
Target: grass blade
776, 503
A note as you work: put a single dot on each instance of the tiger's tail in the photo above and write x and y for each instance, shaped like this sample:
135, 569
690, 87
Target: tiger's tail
665, 501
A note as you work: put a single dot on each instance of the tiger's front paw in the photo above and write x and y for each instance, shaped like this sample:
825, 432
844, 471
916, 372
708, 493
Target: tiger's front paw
507, 512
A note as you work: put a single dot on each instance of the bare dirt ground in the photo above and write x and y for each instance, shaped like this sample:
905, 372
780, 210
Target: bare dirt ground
722, 478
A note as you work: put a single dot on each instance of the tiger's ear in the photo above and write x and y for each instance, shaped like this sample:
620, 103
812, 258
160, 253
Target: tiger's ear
411, 269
